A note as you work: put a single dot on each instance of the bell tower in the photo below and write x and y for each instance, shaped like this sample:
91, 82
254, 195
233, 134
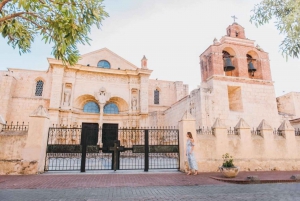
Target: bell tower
236, 56
238, 76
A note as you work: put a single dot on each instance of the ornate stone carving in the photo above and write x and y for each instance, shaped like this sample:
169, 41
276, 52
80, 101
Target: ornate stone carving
134, 103
40, 112
102, 96
104, 78
67, 94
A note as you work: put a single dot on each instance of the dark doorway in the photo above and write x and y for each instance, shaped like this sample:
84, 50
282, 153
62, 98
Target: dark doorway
109, 136
90, 133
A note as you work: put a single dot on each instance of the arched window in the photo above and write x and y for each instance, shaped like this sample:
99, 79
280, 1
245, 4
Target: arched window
156, 97
91, 107
103, 64
111, 108
39, 88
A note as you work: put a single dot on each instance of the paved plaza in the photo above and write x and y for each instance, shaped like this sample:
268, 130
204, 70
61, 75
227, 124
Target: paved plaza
108, 185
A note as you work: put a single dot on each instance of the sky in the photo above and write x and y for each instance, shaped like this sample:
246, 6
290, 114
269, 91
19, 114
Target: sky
171, 34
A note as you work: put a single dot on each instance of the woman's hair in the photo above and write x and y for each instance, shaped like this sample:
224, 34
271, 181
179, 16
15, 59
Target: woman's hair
190, 135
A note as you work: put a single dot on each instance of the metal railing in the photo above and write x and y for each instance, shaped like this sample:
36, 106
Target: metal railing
205, 131
255, 132
297, 132
277, 132
232, 131
15, 127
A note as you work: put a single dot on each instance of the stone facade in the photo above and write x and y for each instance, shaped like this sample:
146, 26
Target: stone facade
66, 90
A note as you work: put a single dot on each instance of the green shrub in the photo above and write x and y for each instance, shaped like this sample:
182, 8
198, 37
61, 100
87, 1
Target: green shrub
227, 160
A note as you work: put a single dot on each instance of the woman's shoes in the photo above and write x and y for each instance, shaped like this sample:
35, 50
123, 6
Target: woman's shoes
189, 173
196, 173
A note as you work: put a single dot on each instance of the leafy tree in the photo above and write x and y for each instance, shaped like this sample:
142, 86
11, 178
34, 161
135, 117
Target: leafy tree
287, 21
65, 23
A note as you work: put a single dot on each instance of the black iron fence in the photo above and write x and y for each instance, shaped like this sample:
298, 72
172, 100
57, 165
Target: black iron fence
93, 148
15, 126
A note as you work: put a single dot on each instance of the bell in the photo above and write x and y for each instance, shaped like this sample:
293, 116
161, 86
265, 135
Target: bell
228, 65
251, 68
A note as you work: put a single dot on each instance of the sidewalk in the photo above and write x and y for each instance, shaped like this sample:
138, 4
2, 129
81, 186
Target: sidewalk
69, 180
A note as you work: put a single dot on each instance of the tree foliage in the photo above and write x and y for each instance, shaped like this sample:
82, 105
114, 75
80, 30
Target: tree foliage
65, 23
286, 14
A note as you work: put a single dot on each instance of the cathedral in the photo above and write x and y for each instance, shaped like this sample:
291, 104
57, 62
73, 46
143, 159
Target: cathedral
105, 113
102, 88
236, 83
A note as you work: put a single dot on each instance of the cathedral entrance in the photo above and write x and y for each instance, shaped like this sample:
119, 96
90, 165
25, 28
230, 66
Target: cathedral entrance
111, 148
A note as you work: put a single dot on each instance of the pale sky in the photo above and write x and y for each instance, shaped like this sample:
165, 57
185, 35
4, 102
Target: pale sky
171, 34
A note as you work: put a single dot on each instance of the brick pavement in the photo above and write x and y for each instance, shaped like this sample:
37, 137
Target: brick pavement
59, 181
144, 186
119, 179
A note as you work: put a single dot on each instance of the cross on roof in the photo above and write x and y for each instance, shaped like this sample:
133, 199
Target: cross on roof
234, 18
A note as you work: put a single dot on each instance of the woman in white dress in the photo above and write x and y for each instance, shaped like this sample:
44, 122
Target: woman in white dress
190, 154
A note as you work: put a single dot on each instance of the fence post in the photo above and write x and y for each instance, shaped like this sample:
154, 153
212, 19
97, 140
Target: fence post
83, 151
146, 168
186, 124
2, 123
266, 132
34, 151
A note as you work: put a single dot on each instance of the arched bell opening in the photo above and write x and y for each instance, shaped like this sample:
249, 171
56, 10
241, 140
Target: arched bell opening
253, 65
229, 62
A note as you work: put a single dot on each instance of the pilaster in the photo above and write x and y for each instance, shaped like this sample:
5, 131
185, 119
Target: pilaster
56, 86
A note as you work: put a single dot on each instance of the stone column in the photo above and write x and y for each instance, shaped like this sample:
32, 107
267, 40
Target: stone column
186, 124
288, 132
220, 132
101, 105
102, 96
34, 151
244, 132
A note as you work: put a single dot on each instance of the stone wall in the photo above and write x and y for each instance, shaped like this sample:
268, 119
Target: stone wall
169, 93
18, 89
23, 147
232, 98
252, 151
11, 161
289, 104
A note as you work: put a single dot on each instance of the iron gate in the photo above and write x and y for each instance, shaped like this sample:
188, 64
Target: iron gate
92, 148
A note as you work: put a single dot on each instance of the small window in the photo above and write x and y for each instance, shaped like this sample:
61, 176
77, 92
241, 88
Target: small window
39, 88
111, 108
91, 107
103, 64
156, 97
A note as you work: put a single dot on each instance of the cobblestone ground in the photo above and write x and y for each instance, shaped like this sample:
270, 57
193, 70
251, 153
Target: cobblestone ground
225, 192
